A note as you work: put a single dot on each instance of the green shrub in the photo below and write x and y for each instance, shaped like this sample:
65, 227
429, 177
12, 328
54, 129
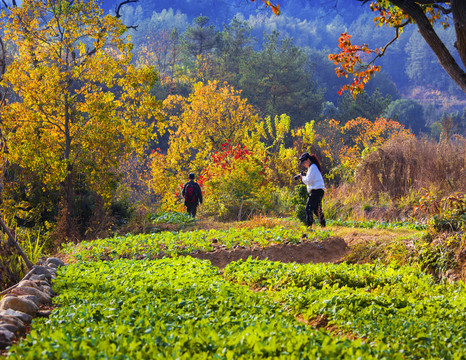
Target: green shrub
298, 200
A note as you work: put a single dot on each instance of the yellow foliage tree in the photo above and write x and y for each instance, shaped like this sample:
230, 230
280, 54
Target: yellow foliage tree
271, 134
81, 105
345, 146
211, 115
200, 126
244, 180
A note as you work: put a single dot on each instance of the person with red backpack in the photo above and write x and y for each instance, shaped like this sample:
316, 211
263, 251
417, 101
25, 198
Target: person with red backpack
192, 195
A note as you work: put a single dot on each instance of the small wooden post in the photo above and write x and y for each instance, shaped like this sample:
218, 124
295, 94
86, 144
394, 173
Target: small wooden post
12, 242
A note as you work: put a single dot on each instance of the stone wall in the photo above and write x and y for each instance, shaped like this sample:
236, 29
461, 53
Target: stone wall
23, 301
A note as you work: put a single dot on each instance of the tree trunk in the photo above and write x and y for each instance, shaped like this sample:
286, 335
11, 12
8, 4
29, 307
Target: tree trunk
240, 209
430, 36
67, 220
68, 224
458, 8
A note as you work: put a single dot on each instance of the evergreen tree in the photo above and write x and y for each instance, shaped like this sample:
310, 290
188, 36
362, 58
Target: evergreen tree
408, 112
235, 50
200, 39
367, 106
278, 81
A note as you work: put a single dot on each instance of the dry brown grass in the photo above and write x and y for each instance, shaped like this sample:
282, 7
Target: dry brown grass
391, 181
407, 164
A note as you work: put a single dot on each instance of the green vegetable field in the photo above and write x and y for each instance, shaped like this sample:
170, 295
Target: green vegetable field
178, 307
172, 243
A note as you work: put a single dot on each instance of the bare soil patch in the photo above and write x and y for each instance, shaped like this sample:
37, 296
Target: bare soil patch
331, 250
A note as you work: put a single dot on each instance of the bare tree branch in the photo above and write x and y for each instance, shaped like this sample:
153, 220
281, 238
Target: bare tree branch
117, 10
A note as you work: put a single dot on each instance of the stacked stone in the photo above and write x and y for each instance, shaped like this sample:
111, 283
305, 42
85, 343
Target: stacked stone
22, 302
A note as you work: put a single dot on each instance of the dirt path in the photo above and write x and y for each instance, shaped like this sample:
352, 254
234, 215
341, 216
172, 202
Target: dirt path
331, 250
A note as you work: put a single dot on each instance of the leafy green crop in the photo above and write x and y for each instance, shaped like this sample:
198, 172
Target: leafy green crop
175, 308
171, 218
400, 307
370, 224
182, 308
172, 243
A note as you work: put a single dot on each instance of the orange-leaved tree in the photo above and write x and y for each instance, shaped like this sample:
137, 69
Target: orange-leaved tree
397, 14
80, 106
275, 7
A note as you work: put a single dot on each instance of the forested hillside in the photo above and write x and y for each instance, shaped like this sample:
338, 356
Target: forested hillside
410, 69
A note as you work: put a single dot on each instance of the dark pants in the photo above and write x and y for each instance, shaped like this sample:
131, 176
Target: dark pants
192, 209
314, 206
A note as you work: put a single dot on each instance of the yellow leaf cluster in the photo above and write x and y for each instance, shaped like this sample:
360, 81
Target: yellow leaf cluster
345, 146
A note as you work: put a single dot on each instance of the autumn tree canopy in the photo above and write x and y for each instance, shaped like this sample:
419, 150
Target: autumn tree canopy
80, 105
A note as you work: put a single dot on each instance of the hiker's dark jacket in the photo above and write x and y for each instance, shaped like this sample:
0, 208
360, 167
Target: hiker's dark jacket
197, 190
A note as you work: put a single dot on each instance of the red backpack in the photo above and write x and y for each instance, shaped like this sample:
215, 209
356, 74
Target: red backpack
190, 193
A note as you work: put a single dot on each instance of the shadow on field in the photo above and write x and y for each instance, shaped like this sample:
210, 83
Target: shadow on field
331, 250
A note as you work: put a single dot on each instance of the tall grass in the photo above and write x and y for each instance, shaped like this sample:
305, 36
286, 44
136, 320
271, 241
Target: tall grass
32, 243
12, 266
406, 164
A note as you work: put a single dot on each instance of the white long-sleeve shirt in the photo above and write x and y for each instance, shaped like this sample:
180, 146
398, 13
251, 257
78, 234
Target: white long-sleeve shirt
313, 179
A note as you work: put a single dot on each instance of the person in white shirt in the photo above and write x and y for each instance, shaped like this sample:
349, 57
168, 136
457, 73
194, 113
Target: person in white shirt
315, 187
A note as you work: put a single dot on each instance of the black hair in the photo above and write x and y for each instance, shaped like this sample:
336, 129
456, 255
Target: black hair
315, 160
